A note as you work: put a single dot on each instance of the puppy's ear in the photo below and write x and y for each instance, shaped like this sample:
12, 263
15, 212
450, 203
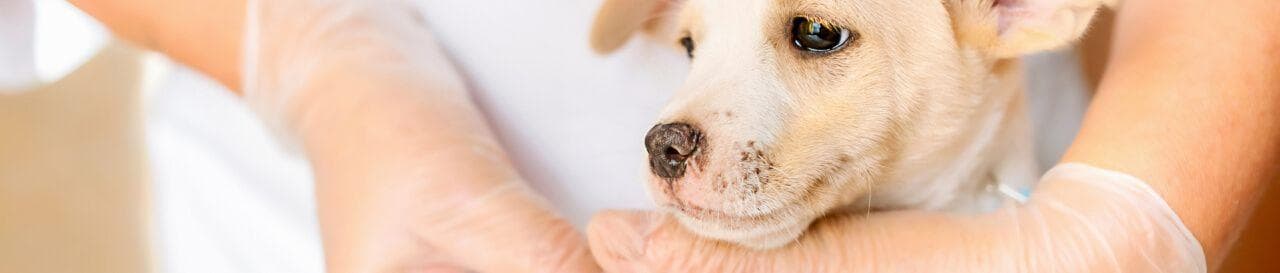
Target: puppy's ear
618, 20
1011, 28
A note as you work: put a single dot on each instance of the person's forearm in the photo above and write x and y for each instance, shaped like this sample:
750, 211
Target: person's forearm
1191, 104
203, 34
408, 175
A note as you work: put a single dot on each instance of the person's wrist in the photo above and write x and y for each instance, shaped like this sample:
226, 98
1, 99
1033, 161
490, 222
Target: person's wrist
384, 180
339, 100
1105, 220
369, 53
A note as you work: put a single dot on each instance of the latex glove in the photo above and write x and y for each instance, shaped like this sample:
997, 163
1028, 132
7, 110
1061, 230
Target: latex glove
409, 179
1081, 219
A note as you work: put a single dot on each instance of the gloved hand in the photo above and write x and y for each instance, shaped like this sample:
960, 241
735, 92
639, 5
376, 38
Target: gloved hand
409, 179
1081, 219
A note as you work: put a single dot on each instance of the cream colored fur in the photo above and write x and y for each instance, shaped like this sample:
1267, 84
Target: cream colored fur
924, 110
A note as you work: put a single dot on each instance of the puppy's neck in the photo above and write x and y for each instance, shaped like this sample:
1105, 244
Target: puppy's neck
957, 158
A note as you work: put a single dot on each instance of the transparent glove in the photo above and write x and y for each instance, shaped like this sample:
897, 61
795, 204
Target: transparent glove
409, 179
1081, 219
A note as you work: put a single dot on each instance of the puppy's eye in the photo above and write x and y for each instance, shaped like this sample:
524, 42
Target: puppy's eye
687, 42
817, 36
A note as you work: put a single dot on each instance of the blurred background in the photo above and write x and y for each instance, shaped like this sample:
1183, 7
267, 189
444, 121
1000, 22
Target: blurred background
113, 159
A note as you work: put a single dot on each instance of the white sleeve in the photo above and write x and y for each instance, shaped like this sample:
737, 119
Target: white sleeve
17, 46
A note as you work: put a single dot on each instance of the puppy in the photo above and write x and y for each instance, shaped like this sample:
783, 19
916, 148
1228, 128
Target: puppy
794, 109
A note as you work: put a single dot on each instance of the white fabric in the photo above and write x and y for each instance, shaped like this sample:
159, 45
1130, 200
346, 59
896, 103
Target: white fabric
227, 197
17, 41
573, 121
1056, 100
42, 41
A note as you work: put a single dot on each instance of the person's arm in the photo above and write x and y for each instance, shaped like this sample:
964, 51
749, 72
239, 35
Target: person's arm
409, 177
205, 35
1190, 103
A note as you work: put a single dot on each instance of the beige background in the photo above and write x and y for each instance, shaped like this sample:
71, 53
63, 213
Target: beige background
72, 171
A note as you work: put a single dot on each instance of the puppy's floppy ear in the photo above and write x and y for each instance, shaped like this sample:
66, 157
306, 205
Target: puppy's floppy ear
1011, 28
618, 20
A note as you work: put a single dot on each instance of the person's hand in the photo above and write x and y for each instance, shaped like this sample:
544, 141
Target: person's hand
1082, 219
409, 179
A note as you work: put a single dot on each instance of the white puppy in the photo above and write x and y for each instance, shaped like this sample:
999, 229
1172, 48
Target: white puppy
794, 109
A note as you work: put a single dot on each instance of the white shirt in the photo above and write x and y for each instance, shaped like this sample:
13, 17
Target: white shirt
574, 121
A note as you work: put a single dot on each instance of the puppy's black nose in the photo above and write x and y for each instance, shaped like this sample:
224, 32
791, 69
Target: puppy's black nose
670, 146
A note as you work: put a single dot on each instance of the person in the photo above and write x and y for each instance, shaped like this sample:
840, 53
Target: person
1177, 147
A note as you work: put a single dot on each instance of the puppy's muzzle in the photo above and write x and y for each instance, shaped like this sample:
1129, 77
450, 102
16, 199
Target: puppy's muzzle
670, 146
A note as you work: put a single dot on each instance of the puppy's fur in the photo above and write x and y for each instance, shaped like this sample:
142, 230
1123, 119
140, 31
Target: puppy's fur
923, 110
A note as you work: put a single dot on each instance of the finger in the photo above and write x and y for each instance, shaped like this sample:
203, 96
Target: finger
389, 253
883, 242
650, 242
440, 269
510, 231
428, 260
617, 240
466, 202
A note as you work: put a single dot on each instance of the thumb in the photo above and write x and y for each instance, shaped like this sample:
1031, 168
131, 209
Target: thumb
633, 241
512, 231
617, 238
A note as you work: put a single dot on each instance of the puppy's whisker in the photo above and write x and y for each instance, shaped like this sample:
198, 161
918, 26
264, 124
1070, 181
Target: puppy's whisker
868, 212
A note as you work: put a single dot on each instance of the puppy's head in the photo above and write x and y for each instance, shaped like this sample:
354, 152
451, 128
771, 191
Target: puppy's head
795, 108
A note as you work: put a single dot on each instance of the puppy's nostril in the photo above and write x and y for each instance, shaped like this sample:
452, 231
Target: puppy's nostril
669, 146
671, 153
